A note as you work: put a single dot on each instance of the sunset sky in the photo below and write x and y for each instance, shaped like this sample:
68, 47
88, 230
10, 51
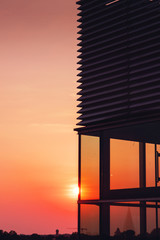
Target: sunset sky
38, 147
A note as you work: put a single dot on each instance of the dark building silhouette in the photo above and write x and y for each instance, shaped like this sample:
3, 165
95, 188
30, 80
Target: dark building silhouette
119, 121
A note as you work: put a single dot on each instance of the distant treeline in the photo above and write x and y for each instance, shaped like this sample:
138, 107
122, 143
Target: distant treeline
126, 235
12, 235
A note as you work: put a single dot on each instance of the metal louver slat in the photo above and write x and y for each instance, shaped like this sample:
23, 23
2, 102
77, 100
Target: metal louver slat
119, 60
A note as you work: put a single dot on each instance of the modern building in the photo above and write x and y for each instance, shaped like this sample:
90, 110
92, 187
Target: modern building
119, 116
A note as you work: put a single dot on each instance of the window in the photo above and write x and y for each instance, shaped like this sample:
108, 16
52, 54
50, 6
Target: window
89, 167
89, 219
125, 218
124, 162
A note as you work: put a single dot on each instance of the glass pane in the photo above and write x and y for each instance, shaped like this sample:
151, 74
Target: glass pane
158, 217
151, 219
89, 167
158, 150
124, 160
150, 165
89, 219
124, 218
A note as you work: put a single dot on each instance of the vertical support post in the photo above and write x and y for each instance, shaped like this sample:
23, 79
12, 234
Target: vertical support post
143, 217
157, 217
79, 180
79, 232
142, 184
156, 174
156, 167
104, 185
142, 165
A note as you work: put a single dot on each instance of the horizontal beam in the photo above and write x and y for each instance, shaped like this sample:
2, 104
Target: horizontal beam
123, 204
132, 194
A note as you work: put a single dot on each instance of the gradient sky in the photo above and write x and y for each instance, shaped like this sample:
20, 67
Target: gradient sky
38, 148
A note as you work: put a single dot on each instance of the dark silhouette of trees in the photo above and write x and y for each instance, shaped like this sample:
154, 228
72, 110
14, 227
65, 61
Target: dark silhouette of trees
126, 235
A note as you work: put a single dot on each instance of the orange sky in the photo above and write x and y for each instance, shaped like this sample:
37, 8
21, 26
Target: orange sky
38, 148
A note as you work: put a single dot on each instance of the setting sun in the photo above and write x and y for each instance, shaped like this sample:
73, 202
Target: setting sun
76, 190
73, 191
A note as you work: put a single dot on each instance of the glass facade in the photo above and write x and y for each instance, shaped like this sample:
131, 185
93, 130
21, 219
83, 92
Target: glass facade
132, 164
124, 162
124, 218
151, 219
150, 165
89, 167
89, 220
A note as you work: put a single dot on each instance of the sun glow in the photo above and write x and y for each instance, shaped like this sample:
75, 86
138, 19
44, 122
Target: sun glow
76, 190
73, 191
